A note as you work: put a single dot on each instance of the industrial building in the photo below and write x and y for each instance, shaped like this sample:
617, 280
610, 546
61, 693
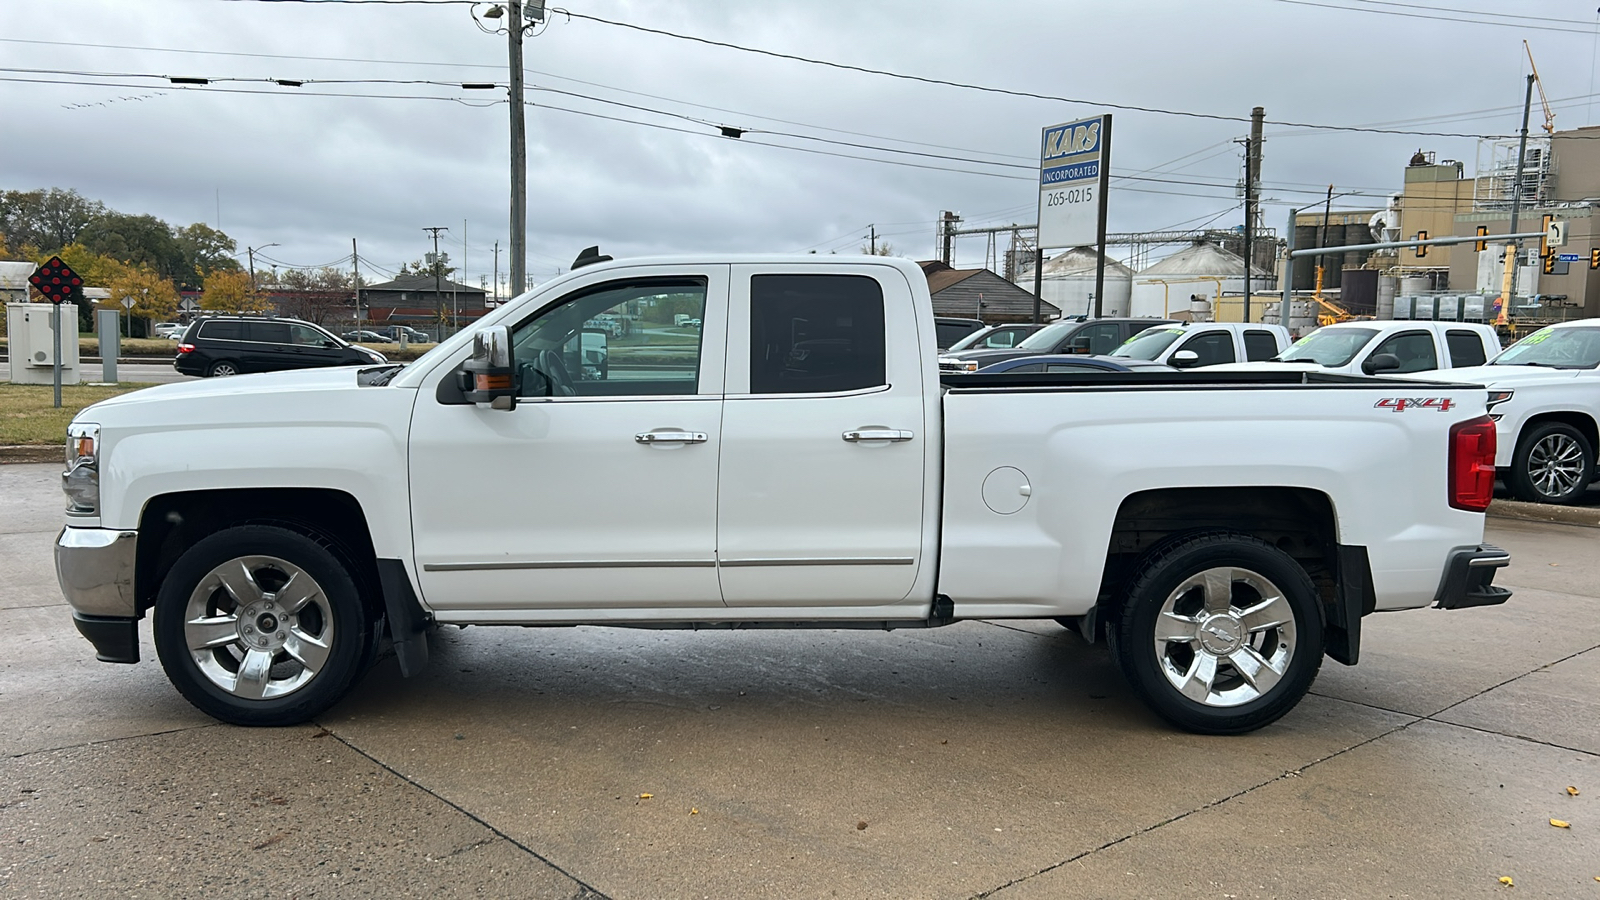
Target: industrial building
1069, 279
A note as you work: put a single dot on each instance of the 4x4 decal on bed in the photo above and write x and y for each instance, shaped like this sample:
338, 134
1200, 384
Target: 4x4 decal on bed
1401, 404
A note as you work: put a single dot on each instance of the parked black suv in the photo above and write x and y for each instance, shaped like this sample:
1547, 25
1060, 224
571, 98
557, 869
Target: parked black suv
1078, 335
233, 345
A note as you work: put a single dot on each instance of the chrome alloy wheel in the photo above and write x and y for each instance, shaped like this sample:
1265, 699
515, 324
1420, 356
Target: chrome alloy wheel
1556, 465
258, 627
1225, 636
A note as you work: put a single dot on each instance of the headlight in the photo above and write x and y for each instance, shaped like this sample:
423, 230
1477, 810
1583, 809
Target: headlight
81, 480
376, 356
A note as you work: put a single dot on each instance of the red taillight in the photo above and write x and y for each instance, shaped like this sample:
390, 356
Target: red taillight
185, 348
1472, 464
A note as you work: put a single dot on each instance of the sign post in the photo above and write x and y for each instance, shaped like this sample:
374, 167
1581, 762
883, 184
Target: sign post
58, 283
1074, 174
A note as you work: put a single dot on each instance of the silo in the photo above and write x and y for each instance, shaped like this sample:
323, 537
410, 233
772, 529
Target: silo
1387, 289
1354, 235
1305, 268
1069, 278
1414, 284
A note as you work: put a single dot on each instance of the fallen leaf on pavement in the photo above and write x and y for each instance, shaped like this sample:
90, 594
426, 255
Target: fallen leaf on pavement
646, 796
1572, 791
1560, 824
694, 810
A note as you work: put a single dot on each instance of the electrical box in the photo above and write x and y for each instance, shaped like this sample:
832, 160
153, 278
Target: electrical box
31, 343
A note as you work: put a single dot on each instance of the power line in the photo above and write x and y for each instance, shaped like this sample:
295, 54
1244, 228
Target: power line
1437, 18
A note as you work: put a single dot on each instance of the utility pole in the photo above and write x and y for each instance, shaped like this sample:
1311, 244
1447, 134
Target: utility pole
438, 267
1322, 242
1509, 284
519, 146
496, 281
250, 254
355, 262
872, 235
947, 225
1252, 189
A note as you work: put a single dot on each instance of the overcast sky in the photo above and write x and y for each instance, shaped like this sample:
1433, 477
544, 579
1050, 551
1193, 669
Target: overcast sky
281, 165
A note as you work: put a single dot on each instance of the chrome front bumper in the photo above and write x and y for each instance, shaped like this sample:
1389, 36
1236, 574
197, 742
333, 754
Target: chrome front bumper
95, 569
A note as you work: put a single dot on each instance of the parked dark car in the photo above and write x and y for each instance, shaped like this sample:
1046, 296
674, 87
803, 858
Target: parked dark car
949, 330
365, 337
995, 337
1094, 337
234, 345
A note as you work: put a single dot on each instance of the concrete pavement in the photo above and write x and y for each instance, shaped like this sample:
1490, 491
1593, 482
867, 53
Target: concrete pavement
998, 759
152, 372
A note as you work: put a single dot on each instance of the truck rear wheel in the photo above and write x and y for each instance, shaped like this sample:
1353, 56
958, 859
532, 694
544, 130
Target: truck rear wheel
1553, 464
1220, 633
261, 625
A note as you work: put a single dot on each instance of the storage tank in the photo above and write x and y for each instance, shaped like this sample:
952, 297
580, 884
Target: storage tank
1305, 268
1200, 269
1356, 234
1388, 286
1414, 285
1068, 283
1359, 294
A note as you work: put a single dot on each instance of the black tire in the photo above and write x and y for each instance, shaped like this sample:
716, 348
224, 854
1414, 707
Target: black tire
1255, 572
222, 368
1554, 463
317, 650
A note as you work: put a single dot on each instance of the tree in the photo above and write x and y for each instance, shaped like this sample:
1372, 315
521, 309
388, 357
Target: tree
229, 291
138, 240
45, 220
316, 295
154, 297
884, 249
440, 267
205, 250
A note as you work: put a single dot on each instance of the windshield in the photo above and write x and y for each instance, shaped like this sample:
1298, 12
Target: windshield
1329, 346
1149, 343
1047, 337
1560, 348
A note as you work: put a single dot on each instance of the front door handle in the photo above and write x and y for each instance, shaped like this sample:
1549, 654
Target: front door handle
877, 434
664, 436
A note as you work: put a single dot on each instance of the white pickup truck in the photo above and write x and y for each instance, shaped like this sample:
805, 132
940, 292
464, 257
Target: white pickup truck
1378, 346
1544, 396
796, 462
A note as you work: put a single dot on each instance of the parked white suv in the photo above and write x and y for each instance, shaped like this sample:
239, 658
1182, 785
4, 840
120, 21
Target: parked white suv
1192, 345
1544, 396
1358, 348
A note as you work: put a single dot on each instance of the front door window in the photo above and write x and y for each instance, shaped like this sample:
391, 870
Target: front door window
624, 339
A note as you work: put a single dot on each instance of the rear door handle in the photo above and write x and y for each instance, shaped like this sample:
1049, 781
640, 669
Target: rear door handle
877, 434
664, 436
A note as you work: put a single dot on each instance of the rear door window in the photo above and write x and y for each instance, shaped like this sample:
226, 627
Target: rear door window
1259, 345
267, 332
1213, 347
1466, 348
816, 334
1103, 338
306, 336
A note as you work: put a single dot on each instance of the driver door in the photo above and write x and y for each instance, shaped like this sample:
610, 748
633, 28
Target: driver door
599, 490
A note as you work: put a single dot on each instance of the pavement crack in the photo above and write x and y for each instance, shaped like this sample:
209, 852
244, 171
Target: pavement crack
467, 849
127, 737
585, 892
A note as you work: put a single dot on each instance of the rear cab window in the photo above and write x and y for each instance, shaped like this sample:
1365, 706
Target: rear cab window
816, 334
1466, 348
1259, 345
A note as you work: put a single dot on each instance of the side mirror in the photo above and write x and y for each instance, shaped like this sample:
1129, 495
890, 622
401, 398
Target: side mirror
488, 375
1078, 345
1380, 362
1184, 359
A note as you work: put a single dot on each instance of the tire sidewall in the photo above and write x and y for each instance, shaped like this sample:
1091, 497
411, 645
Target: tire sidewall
351, 625
1135, 647
1522, 480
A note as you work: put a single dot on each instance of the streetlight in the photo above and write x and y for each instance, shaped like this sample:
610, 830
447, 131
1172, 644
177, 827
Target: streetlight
251, 253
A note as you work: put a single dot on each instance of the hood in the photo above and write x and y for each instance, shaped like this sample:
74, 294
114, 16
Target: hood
237, 386
1494, 376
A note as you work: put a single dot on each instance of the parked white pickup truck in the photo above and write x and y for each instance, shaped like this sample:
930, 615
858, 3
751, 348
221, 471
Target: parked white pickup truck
796, 462
1193, 345
1377, 346
1544, 396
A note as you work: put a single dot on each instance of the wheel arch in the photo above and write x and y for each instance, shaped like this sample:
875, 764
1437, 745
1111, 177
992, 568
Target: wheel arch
171, 523
1583, 422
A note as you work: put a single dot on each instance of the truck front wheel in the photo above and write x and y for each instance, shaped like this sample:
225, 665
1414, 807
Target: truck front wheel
261, 625
1553, 464
1220, 633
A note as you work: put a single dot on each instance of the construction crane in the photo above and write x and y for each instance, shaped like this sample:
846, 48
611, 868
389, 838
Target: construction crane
1549, 117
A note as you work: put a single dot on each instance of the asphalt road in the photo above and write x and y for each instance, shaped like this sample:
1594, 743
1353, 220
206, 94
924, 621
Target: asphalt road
987, 759
154, 373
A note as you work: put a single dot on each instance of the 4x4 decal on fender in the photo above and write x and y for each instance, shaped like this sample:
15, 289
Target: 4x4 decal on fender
1401, 404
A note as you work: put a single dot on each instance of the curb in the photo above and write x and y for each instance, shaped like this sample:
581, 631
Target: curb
1588, 516
31, 453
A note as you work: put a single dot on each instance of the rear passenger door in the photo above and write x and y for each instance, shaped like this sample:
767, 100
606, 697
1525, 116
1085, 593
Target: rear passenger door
1465, 348
266, 347
823, 471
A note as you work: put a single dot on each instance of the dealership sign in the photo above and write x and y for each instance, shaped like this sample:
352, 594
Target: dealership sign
1074, 161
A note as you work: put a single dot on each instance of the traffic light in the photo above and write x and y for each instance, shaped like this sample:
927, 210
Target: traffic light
1594, 258
1483, 231
1550, 264
1422, 249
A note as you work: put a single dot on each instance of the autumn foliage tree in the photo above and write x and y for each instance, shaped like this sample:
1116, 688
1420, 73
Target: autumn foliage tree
229, 291
154, 297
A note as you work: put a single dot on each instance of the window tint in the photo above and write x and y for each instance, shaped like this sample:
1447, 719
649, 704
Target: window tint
1103, 338
1004, 339
222, 331
618, 339
815, 333
267, 332
1213, 347
1259, 345
1466, 348
947, 333
306, 336
1414, 349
